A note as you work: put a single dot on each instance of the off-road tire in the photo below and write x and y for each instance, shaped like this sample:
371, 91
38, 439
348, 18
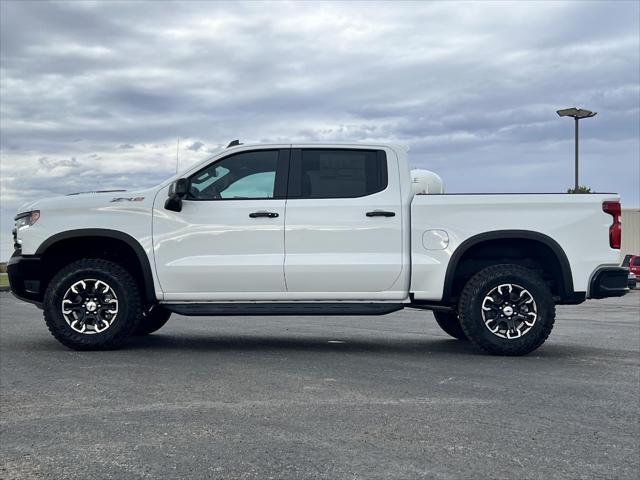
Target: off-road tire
153, 319
129, 304
470, 309
449, 322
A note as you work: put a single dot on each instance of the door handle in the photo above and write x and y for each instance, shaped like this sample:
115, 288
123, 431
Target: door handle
381, 213
264, 214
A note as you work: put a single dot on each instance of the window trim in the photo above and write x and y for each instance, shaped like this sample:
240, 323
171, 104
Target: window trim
280, 183
294, 190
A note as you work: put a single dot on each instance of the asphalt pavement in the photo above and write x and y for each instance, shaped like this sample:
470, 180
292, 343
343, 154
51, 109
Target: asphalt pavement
322, 397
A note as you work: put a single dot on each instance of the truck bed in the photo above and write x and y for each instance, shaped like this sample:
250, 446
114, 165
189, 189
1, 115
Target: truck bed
441, 223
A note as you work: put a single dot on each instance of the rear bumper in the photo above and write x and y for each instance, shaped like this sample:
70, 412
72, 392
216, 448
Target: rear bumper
609, 282
24, 274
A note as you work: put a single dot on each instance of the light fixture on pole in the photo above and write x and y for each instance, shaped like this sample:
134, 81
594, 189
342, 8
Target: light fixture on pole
577, 114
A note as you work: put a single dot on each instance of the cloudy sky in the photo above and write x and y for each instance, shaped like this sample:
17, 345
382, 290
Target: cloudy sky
95, 94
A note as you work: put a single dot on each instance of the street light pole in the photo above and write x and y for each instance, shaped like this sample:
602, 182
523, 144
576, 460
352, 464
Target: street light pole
577, 183
577, 114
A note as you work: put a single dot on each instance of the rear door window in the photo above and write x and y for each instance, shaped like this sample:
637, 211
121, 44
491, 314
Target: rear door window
337, 173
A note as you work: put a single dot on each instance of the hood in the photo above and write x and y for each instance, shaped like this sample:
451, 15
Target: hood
94, 192
90, 199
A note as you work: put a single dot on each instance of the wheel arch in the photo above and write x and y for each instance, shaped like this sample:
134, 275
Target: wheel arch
565, 285
114, 237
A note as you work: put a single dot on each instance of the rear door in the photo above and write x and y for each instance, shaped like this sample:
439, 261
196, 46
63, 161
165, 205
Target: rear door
343, 228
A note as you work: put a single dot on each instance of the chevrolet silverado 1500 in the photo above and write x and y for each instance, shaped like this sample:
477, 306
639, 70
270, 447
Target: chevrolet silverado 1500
313, 230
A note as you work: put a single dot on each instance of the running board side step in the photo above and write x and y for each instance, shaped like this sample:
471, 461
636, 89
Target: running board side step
231, 309
431, 306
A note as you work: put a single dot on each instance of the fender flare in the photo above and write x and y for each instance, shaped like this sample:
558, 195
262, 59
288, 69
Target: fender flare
566, 285
145, 266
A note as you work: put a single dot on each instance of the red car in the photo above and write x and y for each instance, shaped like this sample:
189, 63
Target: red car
633, 263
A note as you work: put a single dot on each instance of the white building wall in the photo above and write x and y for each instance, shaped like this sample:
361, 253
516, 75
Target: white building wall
630, 232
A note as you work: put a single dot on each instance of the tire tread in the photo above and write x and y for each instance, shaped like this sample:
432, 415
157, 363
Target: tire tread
471, 326
152, 321
450, 324
79, 341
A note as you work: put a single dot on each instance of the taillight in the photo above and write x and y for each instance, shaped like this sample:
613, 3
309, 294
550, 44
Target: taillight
615, 230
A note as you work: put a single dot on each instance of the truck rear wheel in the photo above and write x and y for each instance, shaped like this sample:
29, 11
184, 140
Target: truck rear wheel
92, 304
507, 310
153, 319
449, 322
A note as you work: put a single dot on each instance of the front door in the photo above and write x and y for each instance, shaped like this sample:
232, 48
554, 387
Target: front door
227, 243
343, 233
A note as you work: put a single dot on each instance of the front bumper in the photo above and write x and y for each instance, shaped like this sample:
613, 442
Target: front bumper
25, 277
609, 282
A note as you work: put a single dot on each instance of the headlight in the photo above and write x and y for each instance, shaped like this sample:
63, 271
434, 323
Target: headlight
27, 219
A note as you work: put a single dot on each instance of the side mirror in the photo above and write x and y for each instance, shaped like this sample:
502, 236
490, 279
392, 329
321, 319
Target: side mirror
177, 191
181, 187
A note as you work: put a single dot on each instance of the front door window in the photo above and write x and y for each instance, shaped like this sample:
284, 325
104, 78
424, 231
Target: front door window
247, 175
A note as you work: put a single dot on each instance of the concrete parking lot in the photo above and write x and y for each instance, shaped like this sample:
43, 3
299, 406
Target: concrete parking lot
322, 397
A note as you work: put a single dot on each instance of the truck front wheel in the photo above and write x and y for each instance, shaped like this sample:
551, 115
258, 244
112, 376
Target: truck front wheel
506, 310
92, 304
449, 322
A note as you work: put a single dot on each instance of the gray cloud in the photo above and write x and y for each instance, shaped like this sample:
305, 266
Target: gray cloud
49, 164
195, 146
472, 88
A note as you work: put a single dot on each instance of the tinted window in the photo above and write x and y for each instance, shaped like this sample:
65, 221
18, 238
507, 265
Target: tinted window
328, 173
636, 262
242, 176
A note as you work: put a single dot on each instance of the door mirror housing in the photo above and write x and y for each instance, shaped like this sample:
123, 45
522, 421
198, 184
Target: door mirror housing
181, 187
177, 191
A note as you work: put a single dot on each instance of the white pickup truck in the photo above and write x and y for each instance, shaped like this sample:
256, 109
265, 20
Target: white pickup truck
313, 230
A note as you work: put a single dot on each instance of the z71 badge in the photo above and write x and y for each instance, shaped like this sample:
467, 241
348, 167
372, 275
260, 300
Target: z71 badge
127, 199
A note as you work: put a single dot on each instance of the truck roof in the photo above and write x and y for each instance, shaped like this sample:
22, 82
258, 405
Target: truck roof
393, 146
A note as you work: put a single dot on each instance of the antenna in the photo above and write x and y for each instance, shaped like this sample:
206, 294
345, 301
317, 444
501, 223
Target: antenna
234, 143
177, 151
